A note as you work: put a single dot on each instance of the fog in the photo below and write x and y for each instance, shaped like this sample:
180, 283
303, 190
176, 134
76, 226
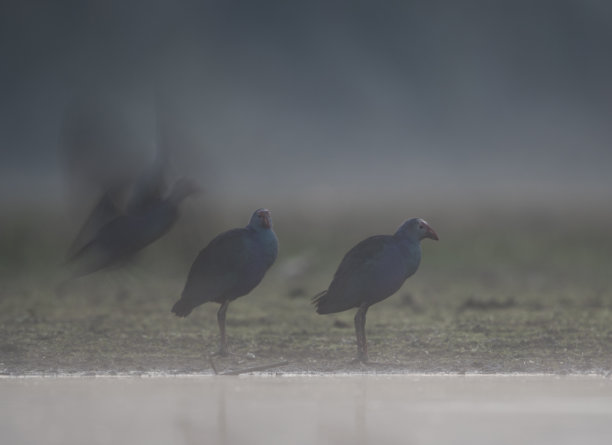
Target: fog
314, 101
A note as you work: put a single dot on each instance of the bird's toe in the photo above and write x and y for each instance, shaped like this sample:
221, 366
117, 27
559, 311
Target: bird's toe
361, 360
221, 352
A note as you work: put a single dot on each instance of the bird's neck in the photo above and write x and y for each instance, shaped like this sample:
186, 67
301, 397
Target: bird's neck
266, 242
409, 245
406, 238
259, 231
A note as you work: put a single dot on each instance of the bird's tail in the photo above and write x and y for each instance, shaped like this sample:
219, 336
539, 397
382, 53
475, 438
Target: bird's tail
320, 302
182, 308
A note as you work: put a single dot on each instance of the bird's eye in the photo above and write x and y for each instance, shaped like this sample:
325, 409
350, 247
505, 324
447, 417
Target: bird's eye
420, 226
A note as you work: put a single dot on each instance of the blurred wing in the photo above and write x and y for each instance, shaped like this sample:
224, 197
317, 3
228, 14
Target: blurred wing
104, 212
114, 242
148, 189
151, 186
122, 237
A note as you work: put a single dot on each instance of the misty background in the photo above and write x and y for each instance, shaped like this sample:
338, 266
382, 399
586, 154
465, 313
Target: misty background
314, 105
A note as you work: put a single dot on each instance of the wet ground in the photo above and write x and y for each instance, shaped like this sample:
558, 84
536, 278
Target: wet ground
415, 409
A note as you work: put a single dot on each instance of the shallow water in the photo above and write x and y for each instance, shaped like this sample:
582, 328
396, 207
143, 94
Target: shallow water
428, 409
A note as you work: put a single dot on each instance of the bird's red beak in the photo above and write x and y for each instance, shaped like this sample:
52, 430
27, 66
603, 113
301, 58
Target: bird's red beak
431, 233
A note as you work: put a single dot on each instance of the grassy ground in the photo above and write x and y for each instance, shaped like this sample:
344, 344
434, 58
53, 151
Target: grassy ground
519, 293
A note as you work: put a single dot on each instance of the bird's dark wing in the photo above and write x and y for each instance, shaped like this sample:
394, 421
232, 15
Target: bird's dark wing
218, 267
362, 257
369, 272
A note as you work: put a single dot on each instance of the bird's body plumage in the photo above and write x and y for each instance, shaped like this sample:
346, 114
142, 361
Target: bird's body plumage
126, 234
370, 272
230, 266
373, 270
123, 237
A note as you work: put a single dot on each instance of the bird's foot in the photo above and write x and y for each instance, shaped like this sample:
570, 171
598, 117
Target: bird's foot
224, 352
361, 360
221, 353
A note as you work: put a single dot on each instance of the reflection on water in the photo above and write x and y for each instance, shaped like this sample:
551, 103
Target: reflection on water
306, 410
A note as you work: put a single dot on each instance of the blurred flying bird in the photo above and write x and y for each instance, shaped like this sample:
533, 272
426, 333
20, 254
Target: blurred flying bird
100, 145
98, 133
103, 212
373, 270
128, 233
232, 264
144, 195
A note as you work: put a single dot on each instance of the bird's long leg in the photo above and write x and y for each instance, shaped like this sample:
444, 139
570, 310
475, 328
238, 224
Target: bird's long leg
362, 346
223, 351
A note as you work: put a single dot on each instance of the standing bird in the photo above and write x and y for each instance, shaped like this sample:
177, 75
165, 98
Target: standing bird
373, 270
126, 234
232, 264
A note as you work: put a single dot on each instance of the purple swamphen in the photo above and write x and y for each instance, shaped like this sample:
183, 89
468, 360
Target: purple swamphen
142, 196
126, 234
373, 270
232, 264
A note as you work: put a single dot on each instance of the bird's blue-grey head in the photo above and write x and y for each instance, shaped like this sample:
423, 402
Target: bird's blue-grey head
261, 219
416, 228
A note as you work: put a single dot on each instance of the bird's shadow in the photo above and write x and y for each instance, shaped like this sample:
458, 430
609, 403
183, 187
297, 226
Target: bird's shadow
244, 370
374, 364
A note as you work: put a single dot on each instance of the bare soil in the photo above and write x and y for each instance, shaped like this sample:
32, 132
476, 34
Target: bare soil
514, 298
